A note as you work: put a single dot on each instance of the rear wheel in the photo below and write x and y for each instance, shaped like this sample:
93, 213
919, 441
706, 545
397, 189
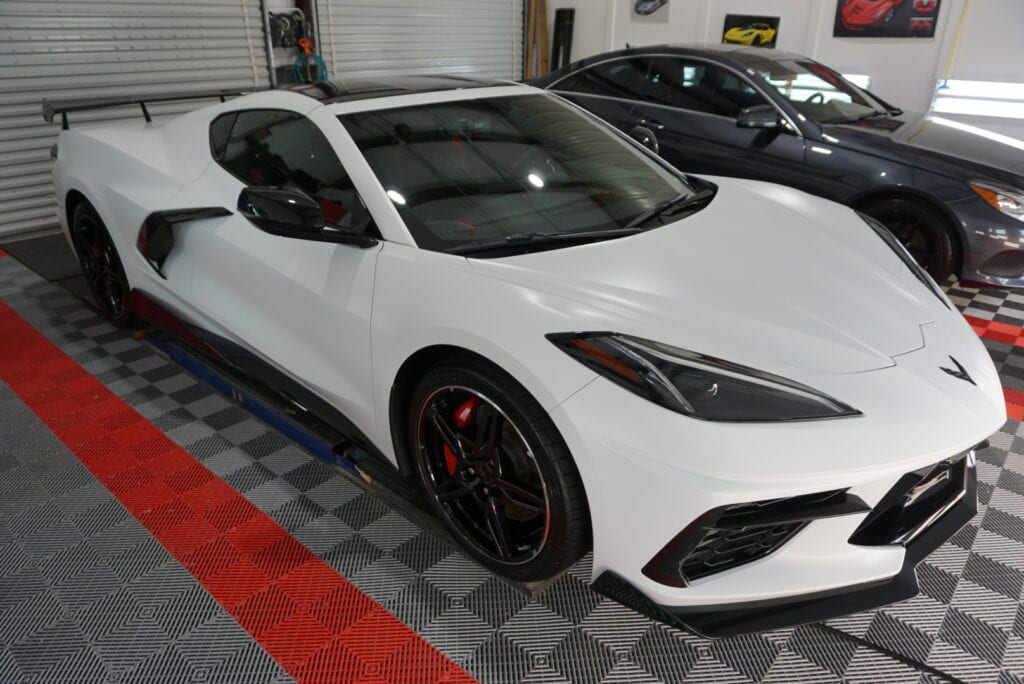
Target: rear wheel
922, 229
101, 265
496, 471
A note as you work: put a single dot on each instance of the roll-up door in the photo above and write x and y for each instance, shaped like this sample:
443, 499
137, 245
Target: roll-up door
366, 38
73, 48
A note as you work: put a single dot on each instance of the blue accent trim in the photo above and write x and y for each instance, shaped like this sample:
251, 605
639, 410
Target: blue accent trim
236, 394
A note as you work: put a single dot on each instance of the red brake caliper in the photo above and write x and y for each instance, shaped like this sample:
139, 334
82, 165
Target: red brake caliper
463, 417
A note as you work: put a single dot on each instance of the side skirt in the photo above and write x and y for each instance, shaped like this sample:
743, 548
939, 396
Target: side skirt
274, 397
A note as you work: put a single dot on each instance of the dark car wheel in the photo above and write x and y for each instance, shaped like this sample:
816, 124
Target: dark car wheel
496, 470
922, 229
101, 265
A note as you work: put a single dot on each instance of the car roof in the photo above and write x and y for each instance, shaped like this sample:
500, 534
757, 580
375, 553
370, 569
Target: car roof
337, 90
723, 52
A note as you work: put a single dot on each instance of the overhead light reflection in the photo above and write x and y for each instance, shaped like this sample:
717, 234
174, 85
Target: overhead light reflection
535, 180
396, 197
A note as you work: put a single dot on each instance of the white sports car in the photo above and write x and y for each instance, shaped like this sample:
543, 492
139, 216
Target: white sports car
748, 401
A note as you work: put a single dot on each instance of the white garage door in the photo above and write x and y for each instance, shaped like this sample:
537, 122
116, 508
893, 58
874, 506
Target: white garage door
75, 48
385, 37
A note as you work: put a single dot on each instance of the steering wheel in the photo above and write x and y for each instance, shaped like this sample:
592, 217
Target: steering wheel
820, 98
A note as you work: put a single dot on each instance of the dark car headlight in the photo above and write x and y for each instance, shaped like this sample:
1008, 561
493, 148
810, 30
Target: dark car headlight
696, 385
901, 251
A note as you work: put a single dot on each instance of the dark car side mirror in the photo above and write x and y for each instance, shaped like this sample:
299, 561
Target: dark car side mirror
759, 116
293, 214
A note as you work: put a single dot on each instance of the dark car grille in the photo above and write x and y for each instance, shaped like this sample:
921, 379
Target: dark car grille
721, 549
731, 536
1005, 265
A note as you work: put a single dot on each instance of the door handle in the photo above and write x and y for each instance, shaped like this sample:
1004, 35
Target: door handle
653, 124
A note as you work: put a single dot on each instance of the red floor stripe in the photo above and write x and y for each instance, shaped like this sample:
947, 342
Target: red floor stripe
3, 253
994, 330
319, 626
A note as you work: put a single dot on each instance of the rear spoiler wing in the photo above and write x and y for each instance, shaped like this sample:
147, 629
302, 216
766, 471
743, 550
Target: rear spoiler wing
63, 107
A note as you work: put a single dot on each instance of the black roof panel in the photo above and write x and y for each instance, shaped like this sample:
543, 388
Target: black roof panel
366, 89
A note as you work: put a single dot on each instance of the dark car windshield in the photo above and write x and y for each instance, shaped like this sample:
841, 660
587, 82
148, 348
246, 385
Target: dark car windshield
505, 167
817, 92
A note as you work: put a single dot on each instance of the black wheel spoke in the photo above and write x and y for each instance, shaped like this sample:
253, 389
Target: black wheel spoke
453, 489
497, 525
520, 496
488, 432
450, 437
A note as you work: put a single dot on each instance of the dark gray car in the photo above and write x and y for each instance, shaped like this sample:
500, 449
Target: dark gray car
952, 194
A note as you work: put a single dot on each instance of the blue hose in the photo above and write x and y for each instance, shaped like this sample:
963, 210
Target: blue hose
299, 68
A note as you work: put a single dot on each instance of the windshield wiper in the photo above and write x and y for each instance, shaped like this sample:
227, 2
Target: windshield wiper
530, 239
676, 204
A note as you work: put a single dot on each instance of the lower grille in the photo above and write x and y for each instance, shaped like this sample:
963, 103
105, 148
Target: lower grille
731, 536
1005, 265
721, 549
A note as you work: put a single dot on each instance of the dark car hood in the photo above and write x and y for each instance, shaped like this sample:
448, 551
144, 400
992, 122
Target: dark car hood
940, 144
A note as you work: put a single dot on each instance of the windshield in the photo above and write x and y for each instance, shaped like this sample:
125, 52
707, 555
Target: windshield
482, 170
817, 92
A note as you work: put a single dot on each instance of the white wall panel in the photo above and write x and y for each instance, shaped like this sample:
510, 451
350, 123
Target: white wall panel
62, 49
365, 38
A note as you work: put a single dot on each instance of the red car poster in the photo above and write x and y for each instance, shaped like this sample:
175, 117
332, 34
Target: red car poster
886, 18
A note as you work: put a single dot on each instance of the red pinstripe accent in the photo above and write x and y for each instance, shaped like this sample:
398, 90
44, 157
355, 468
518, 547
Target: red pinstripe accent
319, 626
994, 330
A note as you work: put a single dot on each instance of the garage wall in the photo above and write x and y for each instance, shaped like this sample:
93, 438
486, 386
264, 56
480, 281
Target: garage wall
75, 48
360, 38
902, 70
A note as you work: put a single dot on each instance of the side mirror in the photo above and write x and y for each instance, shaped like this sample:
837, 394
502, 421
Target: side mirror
293, 214
645, 137
760, 116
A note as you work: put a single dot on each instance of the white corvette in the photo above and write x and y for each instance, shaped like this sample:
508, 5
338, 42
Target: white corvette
748, 401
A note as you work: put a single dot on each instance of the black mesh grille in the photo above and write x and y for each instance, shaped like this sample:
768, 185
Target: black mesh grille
1005, 265
720, 549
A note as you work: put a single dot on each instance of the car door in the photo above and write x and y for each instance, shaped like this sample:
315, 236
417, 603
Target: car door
303, 306
691, 107
608, 89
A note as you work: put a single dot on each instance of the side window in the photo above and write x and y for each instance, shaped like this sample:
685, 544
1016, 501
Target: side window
282, 149
699, 87
621, 78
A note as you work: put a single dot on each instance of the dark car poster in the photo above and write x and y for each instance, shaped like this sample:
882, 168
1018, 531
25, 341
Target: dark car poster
886, 18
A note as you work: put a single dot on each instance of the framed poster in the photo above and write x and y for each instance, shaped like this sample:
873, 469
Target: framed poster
886, 18
746, 29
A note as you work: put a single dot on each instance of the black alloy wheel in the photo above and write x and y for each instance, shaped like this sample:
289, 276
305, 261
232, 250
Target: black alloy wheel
101, 265
922, 229
499, 476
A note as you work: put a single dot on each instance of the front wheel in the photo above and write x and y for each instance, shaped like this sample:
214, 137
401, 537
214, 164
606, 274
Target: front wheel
101, 265
922, 229
496, 470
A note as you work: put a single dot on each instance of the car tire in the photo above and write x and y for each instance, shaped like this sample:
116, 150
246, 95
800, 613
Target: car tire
922, 229
494, 494
101, 265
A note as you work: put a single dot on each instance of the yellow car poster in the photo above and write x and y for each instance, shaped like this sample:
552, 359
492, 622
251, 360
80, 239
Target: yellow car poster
744, 29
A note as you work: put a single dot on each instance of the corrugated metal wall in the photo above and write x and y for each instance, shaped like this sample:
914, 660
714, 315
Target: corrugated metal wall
76, 48
382, 37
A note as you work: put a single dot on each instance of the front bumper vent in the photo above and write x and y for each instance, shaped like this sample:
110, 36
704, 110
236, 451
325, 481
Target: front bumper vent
730, 536
1008, 264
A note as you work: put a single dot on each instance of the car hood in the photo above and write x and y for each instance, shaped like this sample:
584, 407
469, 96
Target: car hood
943, 144
765, 276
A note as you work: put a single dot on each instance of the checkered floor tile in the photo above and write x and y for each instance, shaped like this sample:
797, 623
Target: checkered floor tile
88, 595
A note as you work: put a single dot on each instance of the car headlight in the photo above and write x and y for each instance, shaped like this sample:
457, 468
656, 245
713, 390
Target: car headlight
696, 385
901, 251
1004, 200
